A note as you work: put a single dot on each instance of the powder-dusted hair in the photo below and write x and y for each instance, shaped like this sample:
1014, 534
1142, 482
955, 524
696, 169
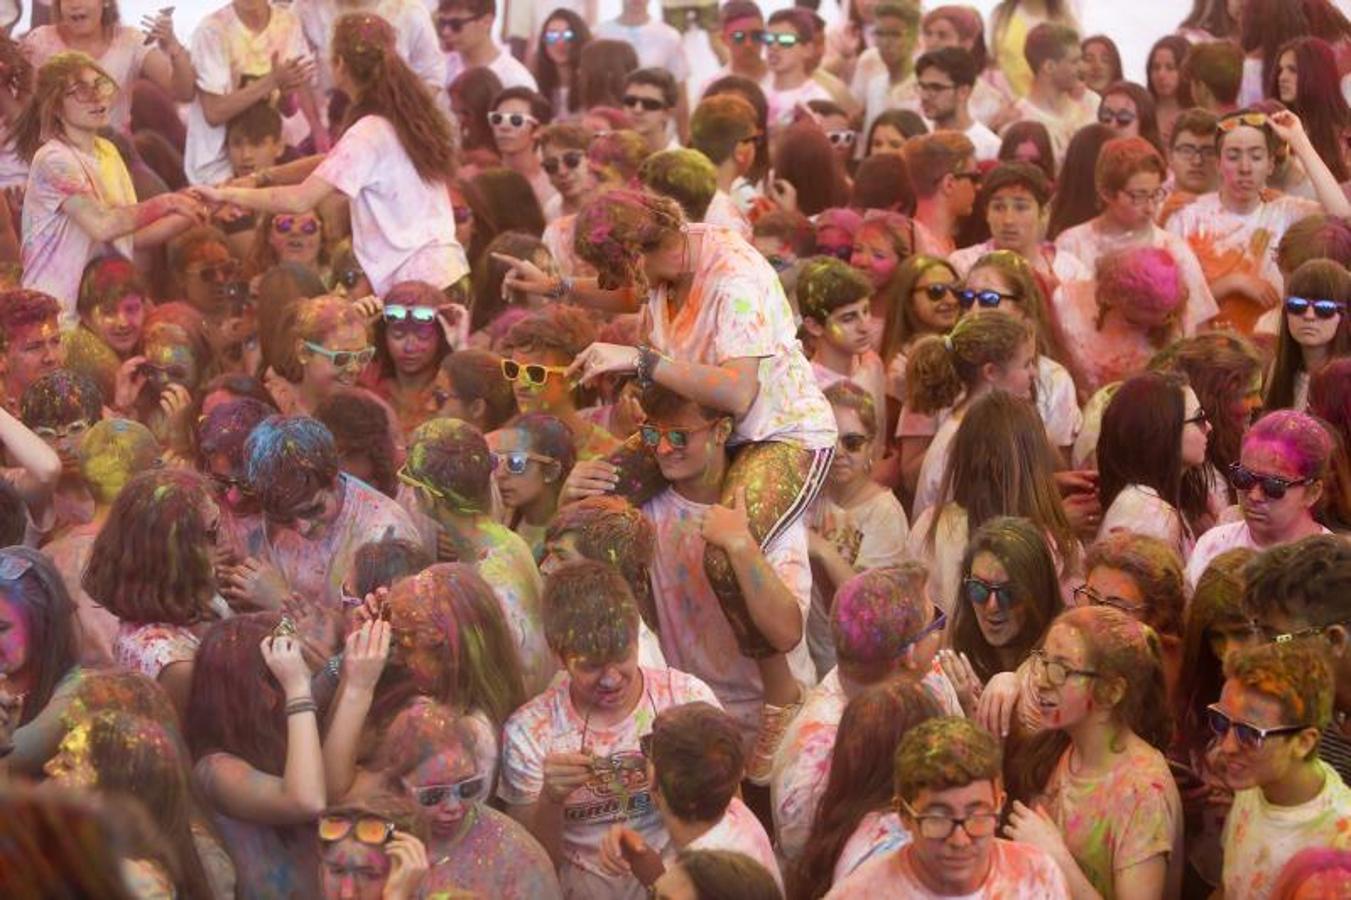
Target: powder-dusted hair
1295, 674
825, 284
941, 368
287, 460
719, 123
589, 612
1155, 568
946, 752
615, 229
608, 529
1144, 277
685, 176
452, 456
112, 452
1306, 442
875, 613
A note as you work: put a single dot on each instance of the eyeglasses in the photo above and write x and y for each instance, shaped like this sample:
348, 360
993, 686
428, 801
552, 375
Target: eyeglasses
217, 272
454, 23
938, 623
1273, 486
746, 37
782, 39
940, 828
436, 794
1192, 153
853, 443
1087, 596
1251, 119
371, 830
1298, 633
1057, 673
70, 432
226, 483
285, 224
1323, 309
846, 138
1141, 198
678, 438
398, 314
937, 292
100, 88
560, 37
651, 104
1199, 419
569, 158
933, 87
515, 120
1122, 117
1250, 737
978, 592
987, 299
530, 373
343, 359
517, 461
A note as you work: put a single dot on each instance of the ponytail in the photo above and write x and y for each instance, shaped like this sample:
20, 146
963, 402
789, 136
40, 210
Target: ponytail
941, 368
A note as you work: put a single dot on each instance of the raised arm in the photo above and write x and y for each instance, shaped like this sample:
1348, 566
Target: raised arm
1290, 129
362, 662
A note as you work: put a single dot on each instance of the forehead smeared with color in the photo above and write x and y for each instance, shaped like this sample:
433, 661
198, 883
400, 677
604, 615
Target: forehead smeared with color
1297, 436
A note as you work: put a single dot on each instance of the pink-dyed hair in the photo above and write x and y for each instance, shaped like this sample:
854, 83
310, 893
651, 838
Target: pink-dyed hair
1306, 441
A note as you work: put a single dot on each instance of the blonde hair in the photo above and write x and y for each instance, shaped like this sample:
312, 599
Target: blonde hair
40, 121
941, 368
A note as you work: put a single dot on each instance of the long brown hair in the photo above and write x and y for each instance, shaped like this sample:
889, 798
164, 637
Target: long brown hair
364, 44
902, 325
1031, 294
1320, 279
941, 368
39, 121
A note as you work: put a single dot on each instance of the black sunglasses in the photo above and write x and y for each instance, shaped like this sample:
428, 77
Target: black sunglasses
651, 104
1323, 309
1243, 479
987, 299
1249, 737
978, 592
937, 292
1122, 117
853, 443
569, 158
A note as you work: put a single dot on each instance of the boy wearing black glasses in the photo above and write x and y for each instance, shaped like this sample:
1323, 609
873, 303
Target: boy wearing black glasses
1274, 705
650, 97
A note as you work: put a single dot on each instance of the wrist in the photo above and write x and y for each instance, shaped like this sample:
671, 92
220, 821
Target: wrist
297, 691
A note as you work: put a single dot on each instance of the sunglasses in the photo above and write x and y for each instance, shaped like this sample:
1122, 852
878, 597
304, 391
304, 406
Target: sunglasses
651, 104
559, 37
285, 224
343, 359
977, 592
853, 443
515, 120
398, 314
747, 37
1251, 119
678, 438
939, 622
517, 461
100, 88
842, 138
530, 373
454, 23
569, 158
371, 830
217, 272
1273, 486
783, 40
1323, 309
71, 432
1122, 117
436, 794
1249, 737
937, 292
987, 299
225, 483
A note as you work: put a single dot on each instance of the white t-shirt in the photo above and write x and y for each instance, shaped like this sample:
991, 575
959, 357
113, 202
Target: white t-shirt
737, 308
551, 724
224, 51
740, 832
658, 45
987, 143
695, 634
403, 228
414, 36
783, 102
55, 249
1061, 126
1250, 89
935, 462
1017, 872
123, 61
1140, 509
1217, 540
723, 212
1259, 837
508, 69
878, 832
1057, 402
943, 558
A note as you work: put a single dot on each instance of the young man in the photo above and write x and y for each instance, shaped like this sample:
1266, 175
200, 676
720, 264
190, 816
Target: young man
245, 52
314, 518
1053, 53
724, 129
1276, 701
1129, 179
945, 79
1302, 592
465, 28
743, 37
30, 341
650, 97
884, 75
948, 795
789, 38
686, 176
1215, 71
562, 151
517, 115
449, 467
944, 174
695, 763
690, 444
902, 638
1191, 159
253, 142
833, 298
572, 764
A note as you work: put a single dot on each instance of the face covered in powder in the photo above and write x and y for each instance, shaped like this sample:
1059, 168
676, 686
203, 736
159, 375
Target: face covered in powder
447, 785
118, 323
1060, 676
71, 767
1274, 519
31, 352
14, 643
352, 870
169, 358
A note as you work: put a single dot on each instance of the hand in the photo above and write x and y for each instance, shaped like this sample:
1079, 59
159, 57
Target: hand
728, 527
208, 194
589, 478
319, 627
254, 585
1034, 826
1080, 481
957, 667
128, 384
285, 661
523, 275
1254, 287
408, 868
564, 773
601, 359
289, 74
371, 308
612, 849
371, 609
174, 401
160, 29
997, 703
628, 415
454, 319
817, 544
184, 204
366, 653
1288, 127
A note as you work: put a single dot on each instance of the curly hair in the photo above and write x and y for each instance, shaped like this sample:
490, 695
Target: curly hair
39, 121
608, 529
589, 612
567, 330
23, 308
1156, 570
360, 425
152, 561
614, 230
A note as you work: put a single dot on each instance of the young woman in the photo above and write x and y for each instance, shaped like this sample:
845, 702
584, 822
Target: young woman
252, 727
855, 820
330, 347
471, 99
992, 351
469, 386
281, 237
1106, 807
532, 458
557, 57
1029, 142
890, 130
151, 566
38, 654
373, 847
1001, 465
1210, 20
805, 159
1315, 329
1168, 86
1150, 453
79, 194
1128, 109
1264, 26
1102, 62
1076, 198
394, 162
501, 200
410, 342
1306, 79
1234, 231
488, 316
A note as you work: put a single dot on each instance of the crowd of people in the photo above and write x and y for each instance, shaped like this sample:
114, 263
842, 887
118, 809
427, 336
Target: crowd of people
461, 451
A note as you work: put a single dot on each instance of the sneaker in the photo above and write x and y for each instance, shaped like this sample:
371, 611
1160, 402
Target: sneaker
774, 721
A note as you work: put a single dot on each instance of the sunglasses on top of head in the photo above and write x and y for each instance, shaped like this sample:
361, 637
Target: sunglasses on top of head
399, 314
1323, 309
